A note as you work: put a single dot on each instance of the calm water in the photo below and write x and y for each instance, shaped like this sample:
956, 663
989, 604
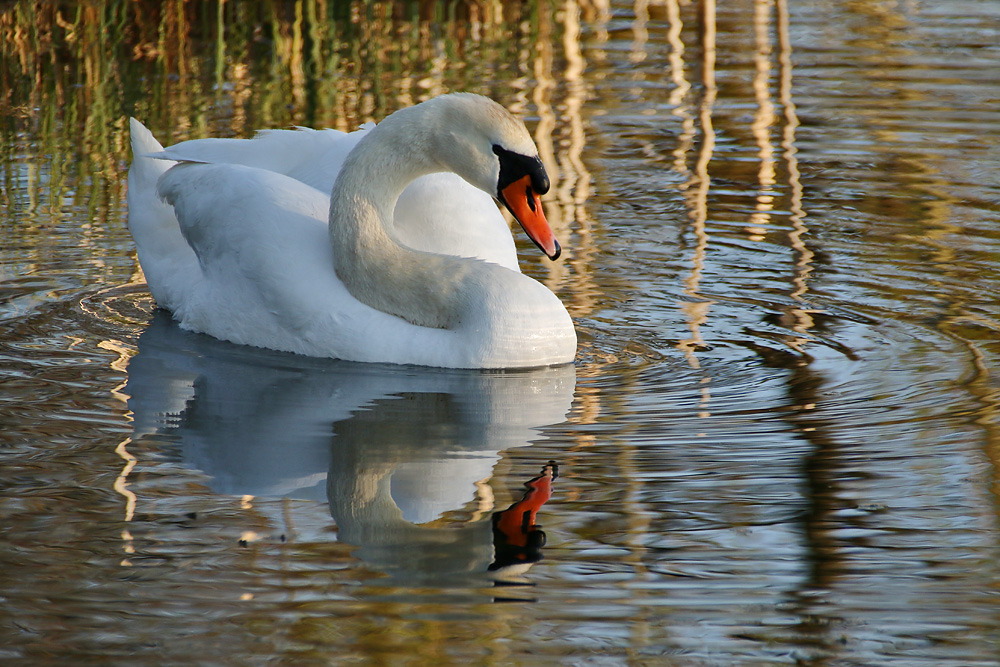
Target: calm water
779, 444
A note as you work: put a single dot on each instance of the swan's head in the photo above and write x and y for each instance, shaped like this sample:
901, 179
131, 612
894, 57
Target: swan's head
492, 150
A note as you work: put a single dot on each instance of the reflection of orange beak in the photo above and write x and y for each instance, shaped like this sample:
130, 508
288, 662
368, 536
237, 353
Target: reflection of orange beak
517, 522
526, 206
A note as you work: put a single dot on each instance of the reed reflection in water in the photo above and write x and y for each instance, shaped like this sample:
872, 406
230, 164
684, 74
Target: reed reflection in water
779, 444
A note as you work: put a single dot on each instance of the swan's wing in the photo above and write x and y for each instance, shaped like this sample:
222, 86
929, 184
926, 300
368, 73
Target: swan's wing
313, 157
261, 241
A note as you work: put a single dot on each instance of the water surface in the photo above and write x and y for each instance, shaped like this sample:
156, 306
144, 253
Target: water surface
778, 444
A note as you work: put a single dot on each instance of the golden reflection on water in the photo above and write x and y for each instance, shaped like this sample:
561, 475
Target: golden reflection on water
696, 190
931, 173
803, 319
573, 188
698, 184
763, 120
121, 483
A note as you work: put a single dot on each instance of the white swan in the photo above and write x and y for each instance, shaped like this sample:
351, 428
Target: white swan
240, 247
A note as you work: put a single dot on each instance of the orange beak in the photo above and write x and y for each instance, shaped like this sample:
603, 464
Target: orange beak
526, 206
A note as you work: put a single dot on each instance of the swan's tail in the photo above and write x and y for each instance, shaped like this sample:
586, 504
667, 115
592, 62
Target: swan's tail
166, 259
144, 172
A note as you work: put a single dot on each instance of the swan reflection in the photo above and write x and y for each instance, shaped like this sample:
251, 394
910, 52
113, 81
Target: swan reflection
393, 450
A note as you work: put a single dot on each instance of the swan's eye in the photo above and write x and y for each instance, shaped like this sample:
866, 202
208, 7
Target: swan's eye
515, 166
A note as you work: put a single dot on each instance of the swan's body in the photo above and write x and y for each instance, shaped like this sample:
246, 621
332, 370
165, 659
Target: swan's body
247, 245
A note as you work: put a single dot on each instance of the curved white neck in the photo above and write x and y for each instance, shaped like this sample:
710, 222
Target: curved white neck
422, 288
